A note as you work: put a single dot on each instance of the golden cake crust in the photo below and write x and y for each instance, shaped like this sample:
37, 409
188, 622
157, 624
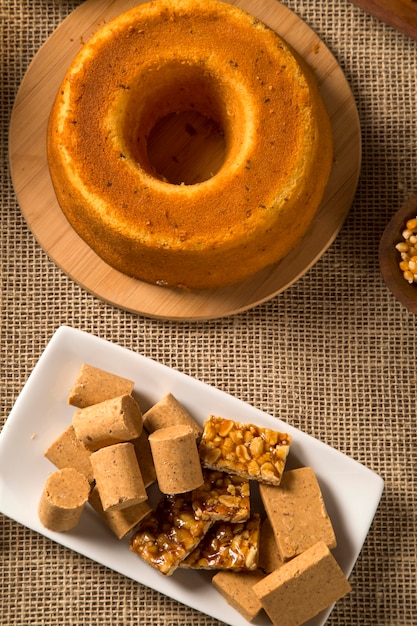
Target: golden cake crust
168, 56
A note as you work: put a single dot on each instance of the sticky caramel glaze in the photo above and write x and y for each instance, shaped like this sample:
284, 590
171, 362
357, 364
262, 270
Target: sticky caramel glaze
165, 57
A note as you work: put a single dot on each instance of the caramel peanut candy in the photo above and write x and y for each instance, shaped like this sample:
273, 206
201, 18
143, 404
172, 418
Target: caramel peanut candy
112, 421
237, 590
176, 459
118, 478
169, 412
222, 497
63, 499
94, 385
301, 588
227, 546
68, 451
167, 536
120, 522
246, 450
145, 460
297, 512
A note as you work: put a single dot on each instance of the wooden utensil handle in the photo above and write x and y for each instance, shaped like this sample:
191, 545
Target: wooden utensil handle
401, 14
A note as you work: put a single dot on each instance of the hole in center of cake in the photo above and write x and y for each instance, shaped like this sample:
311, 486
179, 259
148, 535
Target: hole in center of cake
186, 148
176, 121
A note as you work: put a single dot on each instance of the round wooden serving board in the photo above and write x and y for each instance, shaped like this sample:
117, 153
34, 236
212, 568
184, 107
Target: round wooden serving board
38, 203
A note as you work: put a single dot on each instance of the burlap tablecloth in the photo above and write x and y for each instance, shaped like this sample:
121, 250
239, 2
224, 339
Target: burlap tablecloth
334, 355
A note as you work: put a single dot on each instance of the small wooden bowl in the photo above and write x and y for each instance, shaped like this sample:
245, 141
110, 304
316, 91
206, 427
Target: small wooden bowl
389, 257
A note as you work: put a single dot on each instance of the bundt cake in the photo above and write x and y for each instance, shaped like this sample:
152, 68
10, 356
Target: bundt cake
168, 57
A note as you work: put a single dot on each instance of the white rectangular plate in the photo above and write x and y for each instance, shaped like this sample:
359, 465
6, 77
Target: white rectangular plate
41, 413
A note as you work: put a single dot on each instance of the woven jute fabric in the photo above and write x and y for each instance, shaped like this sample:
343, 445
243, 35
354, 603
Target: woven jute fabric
334, 355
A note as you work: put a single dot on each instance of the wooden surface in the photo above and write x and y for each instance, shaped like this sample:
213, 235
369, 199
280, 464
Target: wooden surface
38, 203
389, 257
401, 14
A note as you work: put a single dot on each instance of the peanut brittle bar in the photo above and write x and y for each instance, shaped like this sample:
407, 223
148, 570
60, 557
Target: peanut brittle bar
169, 534
228, 546
245, 450
222, 497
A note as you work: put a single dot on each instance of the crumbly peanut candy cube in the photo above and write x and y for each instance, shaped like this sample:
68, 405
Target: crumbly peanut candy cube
297, 512
169, 412
269, 556
113, 421
118, 478
245, 450
175, 456
169, 534
63, 499
120, 522
68, 451
227, 546
237, 590
303, 587
222, 497
93, 385
145, 460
